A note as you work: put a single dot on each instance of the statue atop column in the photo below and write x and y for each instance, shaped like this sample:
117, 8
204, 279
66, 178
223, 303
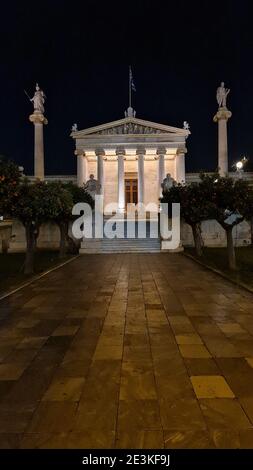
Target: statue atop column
221, 95
39, 120
38, 100
167, 183
92, 187
221, 117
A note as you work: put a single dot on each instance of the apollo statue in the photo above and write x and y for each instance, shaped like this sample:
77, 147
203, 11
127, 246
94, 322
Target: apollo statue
167, 183
92, 186
38, 100
221, 95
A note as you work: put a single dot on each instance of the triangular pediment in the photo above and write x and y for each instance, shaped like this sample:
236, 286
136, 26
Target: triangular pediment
130, 126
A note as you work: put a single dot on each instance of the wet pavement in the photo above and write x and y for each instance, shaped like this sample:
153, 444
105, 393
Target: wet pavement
127, 351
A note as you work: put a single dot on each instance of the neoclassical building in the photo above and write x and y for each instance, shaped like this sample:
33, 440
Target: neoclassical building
130, 158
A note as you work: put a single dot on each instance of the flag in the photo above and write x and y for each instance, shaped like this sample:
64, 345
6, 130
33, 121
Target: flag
131, 80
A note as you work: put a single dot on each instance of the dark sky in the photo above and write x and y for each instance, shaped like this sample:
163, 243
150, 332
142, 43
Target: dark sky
79, 53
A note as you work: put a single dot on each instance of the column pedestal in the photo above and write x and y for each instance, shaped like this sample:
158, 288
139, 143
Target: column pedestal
222, 116
38, 120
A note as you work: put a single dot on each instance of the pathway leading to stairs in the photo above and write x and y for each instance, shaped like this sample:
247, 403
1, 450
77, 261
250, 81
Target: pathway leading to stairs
124, 351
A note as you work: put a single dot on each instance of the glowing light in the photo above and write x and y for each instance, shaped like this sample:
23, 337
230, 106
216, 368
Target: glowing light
239, 165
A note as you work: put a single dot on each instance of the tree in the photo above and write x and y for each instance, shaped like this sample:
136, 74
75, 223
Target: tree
195, 207
10, 177
59, 203
79, 194
60, 198
31, 209
231, 199
249, 215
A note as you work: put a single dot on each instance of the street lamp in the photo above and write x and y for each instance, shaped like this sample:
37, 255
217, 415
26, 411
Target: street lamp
240, 165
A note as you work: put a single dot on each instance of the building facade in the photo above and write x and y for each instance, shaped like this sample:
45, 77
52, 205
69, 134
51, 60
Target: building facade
130, 158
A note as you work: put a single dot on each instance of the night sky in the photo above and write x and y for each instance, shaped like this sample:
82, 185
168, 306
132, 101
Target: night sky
79, 53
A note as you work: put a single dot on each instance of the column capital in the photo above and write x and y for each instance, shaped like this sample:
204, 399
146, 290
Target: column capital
140, 151
161, 151
222, 113
100, 152
38, 118
79, 152
120, 151
181, 152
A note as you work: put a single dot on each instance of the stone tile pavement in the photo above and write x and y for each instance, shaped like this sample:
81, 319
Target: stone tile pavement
127, 351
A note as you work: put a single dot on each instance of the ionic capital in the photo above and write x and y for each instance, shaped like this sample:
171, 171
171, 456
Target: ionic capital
222, 113
161, 151
140, 151
100, 152
120, 151
38, 118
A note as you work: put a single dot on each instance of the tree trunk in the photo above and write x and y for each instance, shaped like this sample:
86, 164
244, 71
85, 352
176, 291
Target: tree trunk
230, 248
196, 231
31, 238
251, 230
63, 226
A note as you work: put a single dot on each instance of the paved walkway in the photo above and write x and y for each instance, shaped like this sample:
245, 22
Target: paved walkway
127, 351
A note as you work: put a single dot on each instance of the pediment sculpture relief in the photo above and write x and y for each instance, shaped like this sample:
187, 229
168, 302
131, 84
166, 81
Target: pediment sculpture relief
130, 128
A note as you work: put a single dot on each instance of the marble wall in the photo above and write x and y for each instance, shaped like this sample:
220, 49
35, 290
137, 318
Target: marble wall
213, 235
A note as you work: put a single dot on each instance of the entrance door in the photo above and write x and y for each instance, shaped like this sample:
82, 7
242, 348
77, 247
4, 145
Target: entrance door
131, 191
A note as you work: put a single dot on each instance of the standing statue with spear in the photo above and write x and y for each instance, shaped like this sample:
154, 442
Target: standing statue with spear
38, 100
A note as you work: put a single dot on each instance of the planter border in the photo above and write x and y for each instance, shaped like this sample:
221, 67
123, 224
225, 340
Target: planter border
36, 278
220, 273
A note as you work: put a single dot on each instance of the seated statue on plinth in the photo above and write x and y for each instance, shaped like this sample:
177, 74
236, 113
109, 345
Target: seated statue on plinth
167, 183
92, 186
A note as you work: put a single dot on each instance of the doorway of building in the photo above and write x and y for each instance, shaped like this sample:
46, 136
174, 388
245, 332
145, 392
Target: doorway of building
131, 190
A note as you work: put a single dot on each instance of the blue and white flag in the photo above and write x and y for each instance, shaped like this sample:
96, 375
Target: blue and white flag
131, 79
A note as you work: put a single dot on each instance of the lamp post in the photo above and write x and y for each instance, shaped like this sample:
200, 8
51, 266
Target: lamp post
240, 166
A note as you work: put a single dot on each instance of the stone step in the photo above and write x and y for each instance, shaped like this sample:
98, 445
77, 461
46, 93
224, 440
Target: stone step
130, 245
121, 245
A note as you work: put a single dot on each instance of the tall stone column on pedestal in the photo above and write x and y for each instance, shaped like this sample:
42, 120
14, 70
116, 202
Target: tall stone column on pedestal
121, 181
140, 153
39, 121
222, 116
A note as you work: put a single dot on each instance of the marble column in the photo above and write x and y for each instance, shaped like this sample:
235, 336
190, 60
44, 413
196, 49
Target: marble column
180, 168
100, 169
39, 121
121, 180
161, 169
81, 170
222, 116
140, 153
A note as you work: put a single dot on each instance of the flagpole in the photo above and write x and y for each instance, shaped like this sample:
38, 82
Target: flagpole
130, 87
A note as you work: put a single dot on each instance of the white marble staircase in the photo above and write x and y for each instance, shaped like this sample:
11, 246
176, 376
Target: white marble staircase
131, 245
122, 245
